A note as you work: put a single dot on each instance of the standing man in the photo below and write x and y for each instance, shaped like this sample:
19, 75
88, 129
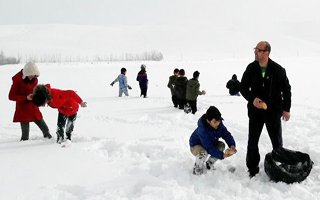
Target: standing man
265, 86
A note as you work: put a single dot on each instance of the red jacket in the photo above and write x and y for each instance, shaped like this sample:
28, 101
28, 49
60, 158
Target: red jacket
25, 111
67, 101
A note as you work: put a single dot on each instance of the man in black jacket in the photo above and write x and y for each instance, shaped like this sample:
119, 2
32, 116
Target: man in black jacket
265, 86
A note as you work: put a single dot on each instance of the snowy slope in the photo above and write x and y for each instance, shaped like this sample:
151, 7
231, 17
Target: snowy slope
135, 148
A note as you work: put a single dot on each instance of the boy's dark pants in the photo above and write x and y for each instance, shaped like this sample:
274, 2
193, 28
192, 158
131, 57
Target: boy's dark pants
273, 125
174, 100
143, 91
181, 103
62, 120
193, 105
25, 127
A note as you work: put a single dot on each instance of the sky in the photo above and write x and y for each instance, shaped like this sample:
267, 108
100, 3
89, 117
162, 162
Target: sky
188, 29
142, 12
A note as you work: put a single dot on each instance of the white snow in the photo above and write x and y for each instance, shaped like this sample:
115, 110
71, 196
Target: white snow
136, 148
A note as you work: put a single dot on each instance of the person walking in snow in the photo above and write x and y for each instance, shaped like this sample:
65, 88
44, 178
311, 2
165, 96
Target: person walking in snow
66, 101
170, 85
205, 140
180, 86
21, 90
266, 87
233, 85
123, 85
143, 81
192, 92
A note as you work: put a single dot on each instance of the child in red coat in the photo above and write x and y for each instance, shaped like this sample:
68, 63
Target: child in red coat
66, 101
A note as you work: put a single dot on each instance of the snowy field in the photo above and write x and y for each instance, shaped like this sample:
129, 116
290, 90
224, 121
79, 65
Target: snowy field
136, 148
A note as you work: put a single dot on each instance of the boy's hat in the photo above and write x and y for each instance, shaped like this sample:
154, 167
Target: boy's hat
181, 72
30, 69
213, 113
196, 74
143, 67
123, 70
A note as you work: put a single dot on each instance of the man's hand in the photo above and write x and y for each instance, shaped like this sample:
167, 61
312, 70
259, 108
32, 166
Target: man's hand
285, 115
112, 83
129, 87
258, 103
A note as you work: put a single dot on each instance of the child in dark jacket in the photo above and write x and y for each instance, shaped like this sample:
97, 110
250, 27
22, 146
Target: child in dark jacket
205, 140
143, 81
233, 85
170, 85
193, 90
180, 86
66, 101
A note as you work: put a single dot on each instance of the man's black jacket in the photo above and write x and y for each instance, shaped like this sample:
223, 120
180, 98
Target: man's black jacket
274, 88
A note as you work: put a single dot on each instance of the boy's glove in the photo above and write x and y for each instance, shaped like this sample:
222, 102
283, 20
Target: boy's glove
203, 92
129, 87
112, 83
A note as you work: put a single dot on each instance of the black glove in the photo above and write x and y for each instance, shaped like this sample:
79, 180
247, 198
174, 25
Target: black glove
112, 83
129, 87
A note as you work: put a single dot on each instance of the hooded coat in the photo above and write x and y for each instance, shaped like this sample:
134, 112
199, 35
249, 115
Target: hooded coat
66, 101
233, 85
25, 111
207, 137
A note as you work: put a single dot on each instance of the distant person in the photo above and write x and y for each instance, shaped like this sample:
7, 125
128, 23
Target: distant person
205, 140
123, 85
21, 90
266, 87
143, 81
170, 85
66, 101
233, 85
193, 90
180, 86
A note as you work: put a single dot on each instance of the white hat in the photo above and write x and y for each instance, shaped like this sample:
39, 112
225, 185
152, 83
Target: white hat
30, 69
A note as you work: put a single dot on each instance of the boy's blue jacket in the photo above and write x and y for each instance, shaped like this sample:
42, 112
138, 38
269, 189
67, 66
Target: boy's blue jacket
207, 137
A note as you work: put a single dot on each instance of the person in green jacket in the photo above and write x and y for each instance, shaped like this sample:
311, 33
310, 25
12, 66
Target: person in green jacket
193, 90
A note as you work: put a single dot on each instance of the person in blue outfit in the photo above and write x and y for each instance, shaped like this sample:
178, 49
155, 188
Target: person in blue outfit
123, 85
143, 81
205, 140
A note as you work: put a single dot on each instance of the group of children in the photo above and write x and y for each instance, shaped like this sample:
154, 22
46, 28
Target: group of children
204, 141
142, 78
184, 92
28, 96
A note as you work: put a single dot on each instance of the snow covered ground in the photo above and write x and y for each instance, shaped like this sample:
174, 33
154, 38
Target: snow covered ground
136, 148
